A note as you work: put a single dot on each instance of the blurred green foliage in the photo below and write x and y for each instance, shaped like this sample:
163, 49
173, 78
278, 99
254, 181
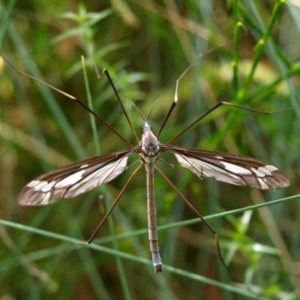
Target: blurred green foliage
146, 45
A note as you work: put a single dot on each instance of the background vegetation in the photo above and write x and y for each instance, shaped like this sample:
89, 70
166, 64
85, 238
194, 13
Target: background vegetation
146, 45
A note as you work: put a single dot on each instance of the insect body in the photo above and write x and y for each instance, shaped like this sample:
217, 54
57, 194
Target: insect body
77, 178
80, 177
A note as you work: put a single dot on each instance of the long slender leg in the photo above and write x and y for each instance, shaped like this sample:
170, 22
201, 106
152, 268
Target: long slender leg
81, 102
224, 103
114, 204
216, 237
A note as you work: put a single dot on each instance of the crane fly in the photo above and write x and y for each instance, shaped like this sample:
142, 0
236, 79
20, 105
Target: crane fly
80, 177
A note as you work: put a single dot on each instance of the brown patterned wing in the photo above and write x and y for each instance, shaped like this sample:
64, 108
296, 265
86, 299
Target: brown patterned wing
230, 168
74, 179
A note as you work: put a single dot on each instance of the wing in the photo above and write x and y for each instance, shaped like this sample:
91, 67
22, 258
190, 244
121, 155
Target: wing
230, 168
74, 179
